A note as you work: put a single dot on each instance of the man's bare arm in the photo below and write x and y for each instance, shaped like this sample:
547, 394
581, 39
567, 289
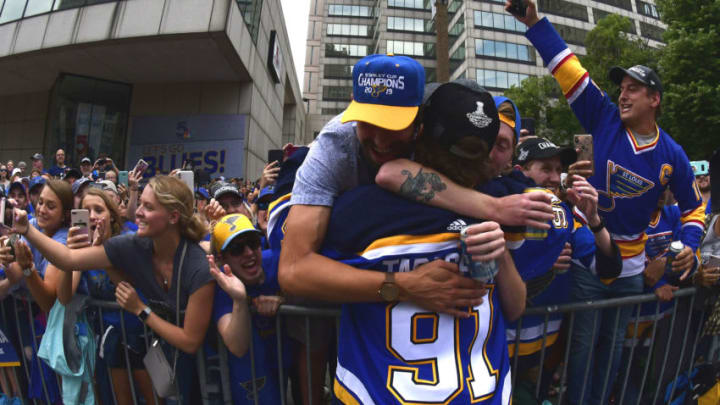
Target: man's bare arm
418, 183
436, 286
513, 293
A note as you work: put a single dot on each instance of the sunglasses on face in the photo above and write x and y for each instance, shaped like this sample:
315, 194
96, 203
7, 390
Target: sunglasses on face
237, 246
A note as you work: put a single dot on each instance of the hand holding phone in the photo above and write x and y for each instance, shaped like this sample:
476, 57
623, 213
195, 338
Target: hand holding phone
123, 177
584, 149
81, 218
140, 167
517, 8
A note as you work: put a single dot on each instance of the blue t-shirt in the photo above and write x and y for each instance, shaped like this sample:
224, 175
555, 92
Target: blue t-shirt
264, 338
40, 261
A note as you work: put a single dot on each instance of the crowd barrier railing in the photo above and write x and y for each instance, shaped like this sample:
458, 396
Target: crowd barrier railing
214, 376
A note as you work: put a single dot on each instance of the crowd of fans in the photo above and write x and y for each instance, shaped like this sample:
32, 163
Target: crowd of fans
369, 216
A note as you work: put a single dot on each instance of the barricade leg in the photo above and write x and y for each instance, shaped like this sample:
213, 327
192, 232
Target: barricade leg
635, 341
667, 348
123, 330
566, 357
683, 346
279, 329
615, 351
35, 348
647, 364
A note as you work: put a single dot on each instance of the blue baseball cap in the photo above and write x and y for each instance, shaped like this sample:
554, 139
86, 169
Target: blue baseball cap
36, 181
387, 91
203, 192
267, 191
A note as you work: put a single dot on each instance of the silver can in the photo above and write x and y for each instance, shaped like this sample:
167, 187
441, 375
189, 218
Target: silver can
675, 248
481, 271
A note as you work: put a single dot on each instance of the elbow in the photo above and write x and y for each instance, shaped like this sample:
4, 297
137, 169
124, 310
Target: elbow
191, 347
287, 275
386, 175
239, 350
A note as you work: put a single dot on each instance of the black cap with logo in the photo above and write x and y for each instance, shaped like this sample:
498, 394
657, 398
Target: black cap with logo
541, 148
641, 73
455, 111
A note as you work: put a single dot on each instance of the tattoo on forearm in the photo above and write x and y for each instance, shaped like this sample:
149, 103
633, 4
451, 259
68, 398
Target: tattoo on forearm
422, 187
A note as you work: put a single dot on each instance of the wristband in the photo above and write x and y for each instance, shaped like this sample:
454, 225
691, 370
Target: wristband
599, 227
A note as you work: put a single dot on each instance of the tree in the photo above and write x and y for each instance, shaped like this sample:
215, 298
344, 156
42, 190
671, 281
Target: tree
609, 44
689, 70
540, 98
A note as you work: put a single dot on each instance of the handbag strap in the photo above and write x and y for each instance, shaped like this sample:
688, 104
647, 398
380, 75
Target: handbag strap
177, 303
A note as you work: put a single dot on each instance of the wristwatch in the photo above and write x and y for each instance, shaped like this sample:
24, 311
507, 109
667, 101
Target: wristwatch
144, 314
389, 291
597, 228
28, 272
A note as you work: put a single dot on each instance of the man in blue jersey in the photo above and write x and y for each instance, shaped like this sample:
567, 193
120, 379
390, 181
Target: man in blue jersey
247, 273
393, 350
635, 161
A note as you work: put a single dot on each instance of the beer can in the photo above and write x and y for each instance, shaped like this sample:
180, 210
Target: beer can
532, 232
675, 248
481, 271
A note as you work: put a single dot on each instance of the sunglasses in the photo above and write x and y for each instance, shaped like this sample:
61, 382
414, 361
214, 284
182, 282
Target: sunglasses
237, 246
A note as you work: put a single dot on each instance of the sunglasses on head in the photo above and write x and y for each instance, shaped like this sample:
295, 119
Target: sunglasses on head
237, 246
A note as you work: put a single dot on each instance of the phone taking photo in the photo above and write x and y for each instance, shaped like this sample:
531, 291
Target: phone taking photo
188, 177
141, 166
584, 148
518, 8
81, 219
123, 177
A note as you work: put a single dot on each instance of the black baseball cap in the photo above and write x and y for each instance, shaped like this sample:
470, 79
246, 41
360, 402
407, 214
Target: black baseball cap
455, 111
37, 156
222, 188
641, 73
541, 148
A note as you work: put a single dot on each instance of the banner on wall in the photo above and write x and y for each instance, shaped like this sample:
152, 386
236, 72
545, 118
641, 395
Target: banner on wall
214, 143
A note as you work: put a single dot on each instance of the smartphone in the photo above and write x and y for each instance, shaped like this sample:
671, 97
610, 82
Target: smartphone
123, 177
528, 124
81, 218
141, 166
713, 261
6, 216
275, 155
3, 202
101, 175
10, 242
517, 8
584, 148
188, 177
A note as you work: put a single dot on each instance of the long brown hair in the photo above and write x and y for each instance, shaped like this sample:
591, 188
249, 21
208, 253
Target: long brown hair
463, 171
63, 191
173, 194
116, 221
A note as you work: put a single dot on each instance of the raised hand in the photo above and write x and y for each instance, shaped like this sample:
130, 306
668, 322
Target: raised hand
228, 281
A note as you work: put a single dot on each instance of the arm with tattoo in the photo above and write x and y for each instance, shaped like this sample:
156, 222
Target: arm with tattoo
422, 187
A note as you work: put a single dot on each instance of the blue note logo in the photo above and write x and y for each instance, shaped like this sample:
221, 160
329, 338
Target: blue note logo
621, 183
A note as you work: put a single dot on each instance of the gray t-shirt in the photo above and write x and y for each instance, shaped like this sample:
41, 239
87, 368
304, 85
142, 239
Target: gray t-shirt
333, 165
132, 255
711, 244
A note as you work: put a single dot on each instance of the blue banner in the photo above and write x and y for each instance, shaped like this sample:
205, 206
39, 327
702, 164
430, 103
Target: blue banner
8, 357
214, 143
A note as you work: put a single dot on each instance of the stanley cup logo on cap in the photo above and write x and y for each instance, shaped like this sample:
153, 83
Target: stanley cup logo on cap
478, 117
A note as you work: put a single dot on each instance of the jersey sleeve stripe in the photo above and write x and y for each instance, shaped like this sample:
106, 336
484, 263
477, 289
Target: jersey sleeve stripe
696, 215
575, 93
533, 347
631, 248
570, 75
559, 59
411, 240
349, 389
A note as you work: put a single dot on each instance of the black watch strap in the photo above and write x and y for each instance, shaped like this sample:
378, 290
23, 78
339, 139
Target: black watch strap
144, 314
597, 228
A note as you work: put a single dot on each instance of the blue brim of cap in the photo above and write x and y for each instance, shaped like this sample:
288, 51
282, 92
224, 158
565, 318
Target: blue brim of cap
231, 237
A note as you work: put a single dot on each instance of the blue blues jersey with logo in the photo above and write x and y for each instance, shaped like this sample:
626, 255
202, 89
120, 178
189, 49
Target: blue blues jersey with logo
264, 344
629, 176
534, 254
398, 353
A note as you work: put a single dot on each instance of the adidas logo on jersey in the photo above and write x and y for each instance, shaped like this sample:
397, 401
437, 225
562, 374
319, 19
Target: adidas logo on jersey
456, 225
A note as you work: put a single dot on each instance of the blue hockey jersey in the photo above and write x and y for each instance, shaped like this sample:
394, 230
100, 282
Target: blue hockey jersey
629, 177
398, 353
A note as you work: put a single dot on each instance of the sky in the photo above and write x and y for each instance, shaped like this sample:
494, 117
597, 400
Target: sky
296, 20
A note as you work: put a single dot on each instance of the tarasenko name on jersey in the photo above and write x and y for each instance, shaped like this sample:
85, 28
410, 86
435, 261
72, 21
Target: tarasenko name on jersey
387, 82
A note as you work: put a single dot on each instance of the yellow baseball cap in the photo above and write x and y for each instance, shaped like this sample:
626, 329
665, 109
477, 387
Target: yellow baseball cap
387, 91
228, 228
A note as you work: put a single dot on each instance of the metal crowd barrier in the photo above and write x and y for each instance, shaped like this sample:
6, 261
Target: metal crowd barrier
218, 392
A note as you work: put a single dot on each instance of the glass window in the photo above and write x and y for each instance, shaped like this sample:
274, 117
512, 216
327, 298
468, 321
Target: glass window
35, 7
564, 8
250, 9
88, 117
12, 11
523, 53
512, 51
500, 49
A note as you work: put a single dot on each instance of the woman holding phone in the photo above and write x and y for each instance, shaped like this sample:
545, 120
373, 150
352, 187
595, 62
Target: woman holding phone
105, 222
149, 260
41, 277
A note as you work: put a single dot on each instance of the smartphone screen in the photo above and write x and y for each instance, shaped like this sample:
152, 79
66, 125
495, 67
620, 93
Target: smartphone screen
584, 148
123, 177
528, 124
81, 219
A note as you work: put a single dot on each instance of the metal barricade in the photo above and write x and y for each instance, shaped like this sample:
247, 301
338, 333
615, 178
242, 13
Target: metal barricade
214, 377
